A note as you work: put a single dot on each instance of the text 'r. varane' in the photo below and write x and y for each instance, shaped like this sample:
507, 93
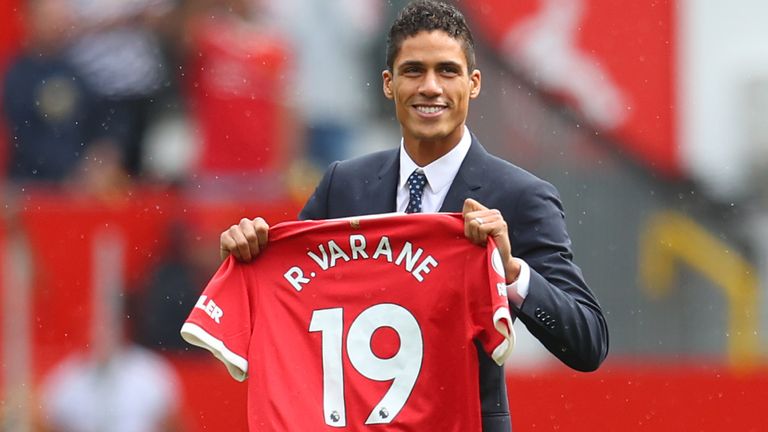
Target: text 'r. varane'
327, 255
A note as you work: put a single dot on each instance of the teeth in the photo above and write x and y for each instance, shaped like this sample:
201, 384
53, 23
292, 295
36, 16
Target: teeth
429, 110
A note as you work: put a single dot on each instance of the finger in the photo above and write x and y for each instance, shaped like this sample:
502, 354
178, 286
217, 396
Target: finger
242, 250
472, 226
480, 224
498, 229
473, 209
262, 232
488, 224
474, 205
475, 227
469, 206
479, 231
248, 228
468, 211
495, 225
226, 245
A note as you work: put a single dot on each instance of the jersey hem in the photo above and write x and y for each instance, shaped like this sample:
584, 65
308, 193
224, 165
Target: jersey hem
196, 335
503, 323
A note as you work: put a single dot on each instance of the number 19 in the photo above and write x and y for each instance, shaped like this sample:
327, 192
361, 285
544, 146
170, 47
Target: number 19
402, 369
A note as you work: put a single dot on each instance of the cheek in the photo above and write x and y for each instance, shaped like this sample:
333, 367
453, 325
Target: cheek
401, 98
462, 100
401, 92
401, 108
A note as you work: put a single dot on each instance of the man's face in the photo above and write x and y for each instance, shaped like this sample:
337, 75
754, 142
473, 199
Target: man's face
431, 88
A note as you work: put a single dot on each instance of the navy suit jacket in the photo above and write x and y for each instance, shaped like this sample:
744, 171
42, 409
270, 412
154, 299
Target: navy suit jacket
559, 310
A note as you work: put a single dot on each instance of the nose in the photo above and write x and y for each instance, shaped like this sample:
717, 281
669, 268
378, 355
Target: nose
430, 86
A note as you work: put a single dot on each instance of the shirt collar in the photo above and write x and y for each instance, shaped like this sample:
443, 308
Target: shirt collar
441, 172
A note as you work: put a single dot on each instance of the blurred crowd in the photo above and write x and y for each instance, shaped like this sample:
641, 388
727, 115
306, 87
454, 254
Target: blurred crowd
218, 99
221, 96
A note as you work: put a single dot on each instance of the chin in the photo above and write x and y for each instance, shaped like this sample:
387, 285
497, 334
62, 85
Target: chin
430, 135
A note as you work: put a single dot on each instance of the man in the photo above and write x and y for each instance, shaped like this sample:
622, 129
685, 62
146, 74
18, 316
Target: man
45, 104
431, 77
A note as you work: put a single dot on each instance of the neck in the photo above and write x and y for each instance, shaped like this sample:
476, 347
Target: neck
423, 152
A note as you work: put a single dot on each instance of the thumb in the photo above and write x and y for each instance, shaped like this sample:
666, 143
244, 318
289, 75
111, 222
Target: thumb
471, 205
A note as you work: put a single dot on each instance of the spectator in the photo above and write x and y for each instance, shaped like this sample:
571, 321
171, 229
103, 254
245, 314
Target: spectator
331, 36
121, 59
236, 77
47, 107
129, 390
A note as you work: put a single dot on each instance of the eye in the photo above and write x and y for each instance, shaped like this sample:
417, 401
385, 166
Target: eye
411, 71
450, 71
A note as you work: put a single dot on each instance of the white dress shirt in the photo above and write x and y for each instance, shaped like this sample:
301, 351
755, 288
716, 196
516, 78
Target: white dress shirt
440, 174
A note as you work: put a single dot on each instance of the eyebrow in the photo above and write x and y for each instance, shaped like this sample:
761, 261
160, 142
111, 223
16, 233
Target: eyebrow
421, 64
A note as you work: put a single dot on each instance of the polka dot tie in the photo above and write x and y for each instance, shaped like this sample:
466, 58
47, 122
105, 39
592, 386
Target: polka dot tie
416, 183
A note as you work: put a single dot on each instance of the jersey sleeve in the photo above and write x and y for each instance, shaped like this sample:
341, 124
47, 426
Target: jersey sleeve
489, 306
221, 320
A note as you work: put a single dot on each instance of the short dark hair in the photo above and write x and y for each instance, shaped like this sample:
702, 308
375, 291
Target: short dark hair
430, 15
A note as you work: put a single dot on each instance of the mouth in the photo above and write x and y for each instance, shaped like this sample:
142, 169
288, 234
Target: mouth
430, 110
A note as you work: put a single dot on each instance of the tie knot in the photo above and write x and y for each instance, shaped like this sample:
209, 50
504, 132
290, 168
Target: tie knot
417, 181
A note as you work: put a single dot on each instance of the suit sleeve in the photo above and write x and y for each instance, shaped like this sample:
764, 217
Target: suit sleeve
316, 207
559, 310
488, 304
221, 320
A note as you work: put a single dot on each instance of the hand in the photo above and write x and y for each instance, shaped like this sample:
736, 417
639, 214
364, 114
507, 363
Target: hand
481, 222
245, 240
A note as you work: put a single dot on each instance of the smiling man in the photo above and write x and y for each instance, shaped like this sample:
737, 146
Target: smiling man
440, 166
431, 85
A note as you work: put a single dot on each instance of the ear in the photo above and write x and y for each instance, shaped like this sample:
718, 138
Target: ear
386, 79
474, 83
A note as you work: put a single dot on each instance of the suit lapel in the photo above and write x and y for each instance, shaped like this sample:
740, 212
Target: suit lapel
382, 194
468, 181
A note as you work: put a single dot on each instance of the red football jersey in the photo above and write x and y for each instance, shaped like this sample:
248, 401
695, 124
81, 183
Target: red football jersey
362, 324
236, 88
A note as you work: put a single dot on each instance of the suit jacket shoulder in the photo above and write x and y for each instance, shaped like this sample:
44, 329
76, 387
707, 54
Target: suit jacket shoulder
494, 182
358, 186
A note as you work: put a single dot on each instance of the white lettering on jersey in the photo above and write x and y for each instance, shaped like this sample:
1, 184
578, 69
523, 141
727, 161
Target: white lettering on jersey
383, 249
210, 308
499, 268
501, 287
295, 276
336, 253
322, 263
424, 267
327, 255
357, 244
409, 256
